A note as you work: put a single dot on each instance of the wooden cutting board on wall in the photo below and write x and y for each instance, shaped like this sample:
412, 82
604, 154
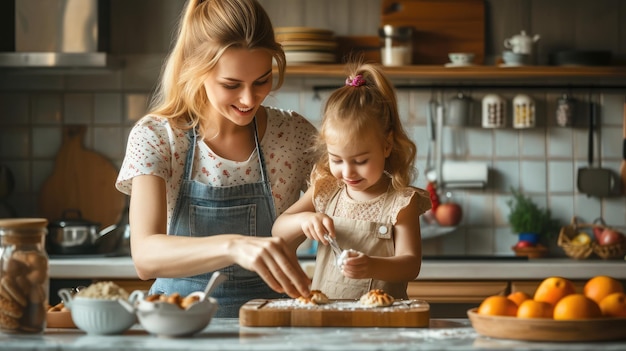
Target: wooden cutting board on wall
441, 27
81, 180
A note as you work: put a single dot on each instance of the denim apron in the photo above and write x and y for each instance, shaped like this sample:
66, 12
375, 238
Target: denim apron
204, 210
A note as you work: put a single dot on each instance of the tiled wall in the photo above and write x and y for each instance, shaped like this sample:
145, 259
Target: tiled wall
543, 161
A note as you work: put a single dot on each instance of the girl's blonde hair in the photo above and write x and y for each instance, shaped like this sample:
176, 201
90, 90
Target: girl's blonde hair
368, 104
206, 29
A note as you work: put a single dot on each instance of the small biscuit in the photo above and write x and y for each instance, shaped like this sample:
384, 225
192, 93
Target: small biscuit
175, 299
377, 298
153, 297
37, 294
10, 308
317, 297
13, 290
8, 323
189, 300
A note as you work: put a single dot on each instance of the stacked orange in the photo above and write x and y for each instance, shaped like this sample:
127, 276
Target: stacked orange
557, 298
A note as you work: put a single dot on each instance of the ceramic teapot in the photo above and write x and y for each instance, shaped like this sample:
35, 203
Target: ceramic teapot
521, 43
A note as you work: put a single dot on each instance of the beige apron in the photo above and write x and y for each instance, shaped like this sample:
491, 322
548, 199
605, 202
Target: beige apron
371, 238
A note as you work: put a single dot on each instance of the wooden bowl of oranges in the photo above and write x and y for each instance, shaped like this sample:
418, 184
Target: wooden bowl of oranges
556, 312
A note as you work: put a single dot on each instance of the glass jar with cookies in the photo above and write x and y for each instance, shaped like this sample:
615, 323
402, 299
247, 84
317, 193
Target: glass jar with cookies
24, 276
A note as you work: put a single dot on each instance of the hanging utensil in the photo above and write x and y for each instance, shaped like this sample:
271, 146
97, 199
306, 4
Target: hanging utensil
622, 169
430, 171
596, 181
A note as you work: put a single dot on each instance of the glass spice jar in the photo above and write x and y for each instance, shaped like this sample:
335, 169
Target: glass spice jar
396, 45
24, 275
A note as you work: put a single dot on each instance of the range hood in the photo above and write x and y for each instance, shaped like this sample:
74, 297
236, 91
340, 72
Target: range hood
56, 34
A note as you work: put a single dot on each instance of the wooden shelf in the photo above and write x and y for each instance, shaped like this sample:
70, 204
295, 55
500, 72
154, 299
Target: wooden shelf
597, 76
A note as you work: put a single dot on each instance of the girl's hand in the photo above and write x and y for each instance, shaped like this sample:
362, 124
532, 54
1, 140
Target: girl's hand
356, 265
316, 225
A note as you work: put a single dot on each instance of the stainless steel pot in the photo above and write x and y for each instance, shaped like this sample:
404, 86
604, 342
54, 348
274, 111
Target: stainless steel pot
74, 235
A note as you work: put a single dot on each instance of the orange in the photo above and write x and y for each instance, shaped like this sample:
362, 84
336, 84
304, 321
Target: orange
576, 306
497, 305
614, 305
601, 286
535, 309
518, 297
553, 289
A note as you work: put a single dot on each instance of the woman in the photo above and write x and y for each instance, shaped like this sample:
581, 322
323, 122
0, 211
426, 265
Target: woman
209, 168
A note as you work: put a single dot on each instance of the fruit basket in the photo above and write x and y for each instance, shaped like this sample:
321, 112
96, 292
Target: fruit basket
580, 250
573, 248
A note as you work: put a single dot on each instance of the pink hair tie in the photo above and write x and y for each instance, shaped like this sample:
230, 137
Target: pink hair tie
357, 81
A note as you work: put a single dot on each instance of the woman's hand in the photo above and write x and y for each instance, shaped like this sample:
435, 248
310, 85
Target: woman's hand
275, 263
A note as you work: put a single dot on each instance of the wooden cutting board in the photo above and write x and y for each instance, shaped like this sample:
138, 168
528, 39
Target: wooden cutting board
83, 180
441, 27
339, 313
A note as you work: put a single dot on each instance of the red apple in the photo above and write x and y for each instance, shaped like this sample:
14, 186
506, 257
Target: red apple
597, 232
449, 214
524, 243
610, 236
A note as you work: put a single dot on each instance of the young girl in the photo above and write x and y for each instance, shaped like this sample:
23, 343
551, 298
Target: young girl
360, 193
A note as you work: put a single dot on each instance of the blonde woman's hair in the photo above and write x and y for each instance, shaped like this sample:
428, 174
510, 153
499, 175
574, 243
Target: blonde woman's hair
363, 105
206, 29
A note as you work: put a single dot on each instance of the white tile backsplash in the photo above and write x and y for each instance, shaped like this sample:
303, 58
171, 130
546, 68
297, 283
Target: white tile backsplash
78, 108
46, 141
561, 177
107, 108
47, 108
14, 108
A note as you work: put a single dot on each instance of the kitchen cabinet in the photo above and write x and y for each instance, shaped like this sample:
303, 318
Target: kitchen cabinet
456, 291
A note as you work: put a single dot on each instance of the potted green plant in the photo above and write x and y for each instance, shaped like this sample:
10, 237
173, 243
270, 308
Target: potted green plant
529, 221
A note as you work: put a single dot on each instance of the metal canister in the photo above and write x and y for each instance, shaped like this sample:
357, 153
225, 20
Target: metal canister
565, 109
24, 275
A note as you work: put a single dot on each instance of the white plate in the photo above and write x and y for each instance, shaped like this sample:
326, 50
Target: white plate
512, 65
304, 56
452, 64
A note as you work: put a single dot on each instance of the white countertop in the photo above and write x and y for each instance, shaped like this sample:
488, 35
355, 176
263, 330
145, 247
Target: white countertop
226, 334
122, 268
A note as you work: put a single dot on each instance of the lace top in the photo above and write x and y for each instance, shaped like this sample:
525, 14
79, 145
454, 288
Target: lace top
369, 210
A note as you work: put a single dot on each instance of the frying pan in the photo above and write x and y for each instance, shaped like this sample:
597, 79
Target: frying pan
596, 181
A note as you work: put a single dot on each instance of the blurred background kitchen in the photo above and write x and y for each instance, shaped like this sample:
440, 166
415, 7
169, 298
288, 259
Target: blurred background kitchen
542, 161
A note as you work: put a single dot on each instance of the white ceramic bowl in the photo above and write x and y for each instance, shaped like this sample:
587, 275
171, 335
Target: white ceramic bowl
514, 59
461, 58
101, 316
168, 320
